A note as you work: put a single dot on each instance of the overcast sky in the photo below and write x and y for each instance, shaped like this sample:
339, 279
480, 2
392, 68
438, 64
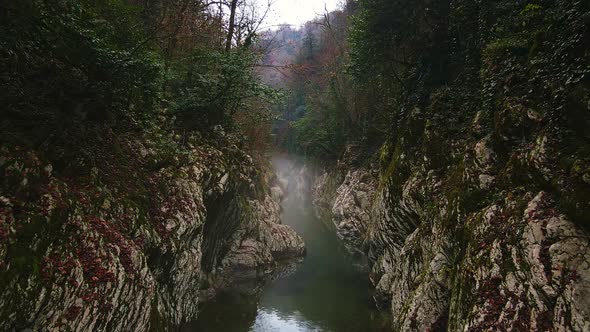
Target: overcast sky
297, 12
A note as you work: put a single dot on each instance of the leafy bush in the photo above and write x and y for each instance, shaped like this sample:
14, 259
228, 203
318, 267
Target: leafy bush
212, 86
78, 71
70, 64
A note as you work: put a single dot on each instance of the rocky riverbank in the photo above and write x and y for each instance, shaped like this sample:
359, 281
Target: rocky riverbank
85, 253
517, 263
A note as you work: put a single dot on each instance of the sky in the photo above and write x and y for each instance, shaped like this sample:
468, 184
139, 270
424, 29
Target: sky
297, 12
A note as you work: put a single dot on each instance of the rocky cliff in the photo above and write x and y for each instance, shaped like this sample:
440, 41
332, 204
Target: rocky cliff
477, 219
134, 246
514, 264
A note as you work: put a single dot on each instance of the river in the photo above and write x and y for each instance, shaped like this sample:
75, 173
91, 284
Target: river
328, 291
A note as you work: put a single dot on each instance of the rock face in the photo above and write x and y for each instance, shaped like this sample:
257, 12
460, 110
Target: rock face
349, 207
80, 254
516, 264
478, 218
536, 276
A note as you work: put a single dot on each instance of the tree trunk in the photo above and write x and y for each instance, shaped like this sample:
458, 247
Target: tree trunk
230, 30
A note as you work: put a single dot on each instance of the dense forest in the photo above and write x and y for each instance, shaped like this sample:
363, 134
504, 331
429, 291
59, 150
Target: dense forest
446, 142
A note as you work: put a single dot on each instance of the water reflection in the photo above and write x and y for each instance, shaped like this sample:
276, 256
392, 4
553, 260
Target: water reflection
328, 291
272, 320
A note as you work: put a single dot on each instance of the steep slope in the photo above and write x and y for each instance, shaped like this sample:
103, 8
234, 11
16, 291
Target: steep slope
133, 249
480, 215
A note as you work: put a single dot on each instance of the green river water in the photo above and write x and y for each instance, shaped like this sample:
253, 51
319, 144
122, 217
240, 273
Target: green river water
328, 291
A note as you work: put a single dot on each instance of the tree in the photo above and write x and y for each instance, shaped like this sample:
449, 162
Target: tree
230, 31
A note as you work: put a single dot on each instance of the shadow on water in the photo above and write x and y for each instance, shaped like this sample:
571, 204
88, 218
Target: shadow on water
327, 292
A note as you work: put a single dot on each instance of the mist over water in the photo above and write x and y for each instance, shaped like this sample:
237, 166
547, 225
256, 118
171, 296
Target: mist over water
329, 291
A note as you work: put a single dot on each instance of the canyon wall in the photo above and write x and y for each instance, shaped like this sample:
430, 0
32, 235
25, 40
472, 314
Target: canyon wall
474, 213
138, 253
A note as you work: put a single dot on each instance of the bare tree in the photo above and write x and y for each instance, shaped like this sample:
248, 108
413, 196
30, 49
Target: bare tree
231, 26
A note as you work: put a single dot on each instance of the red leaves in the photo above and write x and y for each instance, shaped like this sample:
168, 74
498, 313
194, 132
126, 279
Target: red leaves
56, 266
552, 212
72, 312
94, 271
532, 216
90, 296
489, 292
543, 210
109, 232
139, 241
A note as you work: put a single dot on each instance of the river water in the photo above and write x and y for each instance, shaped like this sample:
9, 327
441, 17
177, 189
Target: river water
328, 291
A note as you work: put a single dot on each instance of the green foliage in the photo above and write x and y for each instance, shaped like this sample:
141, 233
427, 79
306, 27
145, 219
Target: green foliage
373, 32
318, 117
530, 9
320, 134
71, 64
397, 51
501, 47
388, 38
211, 86
74, 71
